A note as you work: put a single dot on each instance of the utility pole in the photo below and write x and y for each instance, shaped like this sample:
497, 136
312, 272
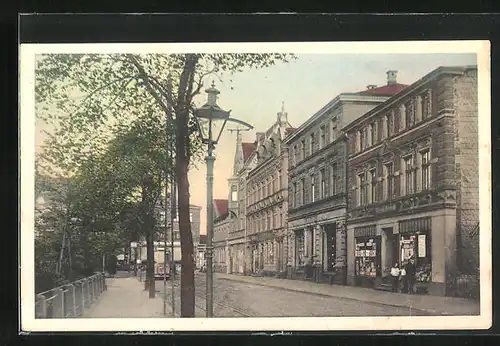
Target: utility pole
173, 195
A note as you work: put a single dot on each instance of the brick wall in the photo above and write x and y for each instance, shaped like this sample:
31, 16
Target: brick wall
464, 94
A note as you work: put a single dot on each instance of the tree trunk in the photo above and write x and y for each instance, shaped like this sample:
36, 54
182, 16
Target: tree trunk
147, 190
181, 167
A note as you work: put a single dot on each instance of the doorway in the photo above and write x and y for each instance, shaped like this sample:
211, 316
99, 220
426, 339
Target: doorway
329, 253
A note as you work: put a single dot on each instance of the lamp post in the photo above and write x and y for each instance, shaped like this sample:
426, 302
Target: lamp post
211, 120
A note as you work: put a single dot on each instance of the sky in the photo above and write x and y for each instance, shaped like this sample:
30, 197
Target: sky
304, 86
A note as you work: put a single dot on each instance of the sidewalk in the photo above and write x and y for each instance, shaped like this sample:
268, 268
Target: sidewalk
126, 298
431, 304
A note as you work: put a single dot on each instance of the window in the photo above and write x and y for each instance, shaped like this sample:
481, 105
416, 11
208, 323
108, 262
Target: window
390, 124
373, 184
409, 181
334, 133
303, 148
322, 191
234, 193
322, 142
311, 144
313, 195
389, 180
427, 98
294, 194
426, 171
279, 180
300, 248
374, 133
358, 141
303, 191
362, 189
410, 113
294, 155
334, 179
363, 138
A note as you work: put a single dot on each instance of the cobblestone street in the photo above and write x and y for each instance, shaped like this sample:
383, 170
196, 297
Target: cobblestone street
242, 296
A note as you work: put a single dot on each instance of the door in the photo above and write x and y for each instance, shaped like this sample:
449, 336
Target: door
330, 238
395, 249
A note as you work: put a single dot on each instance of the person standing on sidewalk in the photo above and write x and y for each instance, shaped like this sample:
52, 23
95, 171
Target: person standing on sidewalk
410, 275
395, 277
403, 278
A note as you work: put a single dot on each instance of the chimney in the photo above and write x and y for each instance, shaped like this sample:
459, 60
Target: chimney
392, 77
371, 86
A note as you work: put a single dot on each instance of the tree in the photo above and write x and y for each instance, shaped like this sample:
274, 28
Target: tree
115, 90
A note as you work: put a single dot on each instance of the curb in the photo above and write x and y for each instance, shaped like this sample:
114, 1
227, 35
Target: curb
429, 311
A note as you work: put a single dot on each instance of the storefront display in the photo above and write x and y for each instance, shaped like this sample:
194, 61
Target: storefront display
367, 255
415, 244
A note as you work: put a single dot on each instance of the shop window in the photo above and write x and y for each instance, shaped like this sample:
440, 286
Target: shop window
426, 169
300, 248
415, 243
367, 257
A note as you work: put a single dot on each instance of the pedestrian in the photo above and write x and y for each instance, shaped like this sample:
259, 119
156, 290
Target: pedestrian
410, 274
403, 278
395, 277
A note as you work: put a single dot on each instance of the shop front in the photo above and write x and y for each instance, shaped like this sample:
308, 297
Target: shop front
415, 244
367, 256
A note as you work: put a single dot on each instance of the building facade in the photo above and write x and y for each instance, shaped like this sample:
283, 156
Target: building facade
317, 183
266, 201
413, 181
237, 248
224, 218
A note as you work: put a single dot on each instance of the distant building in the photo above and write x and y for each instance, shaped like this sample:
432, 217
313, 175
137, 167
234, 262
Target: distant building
413, 182
317, 183
223, 223
201, 262
194, 217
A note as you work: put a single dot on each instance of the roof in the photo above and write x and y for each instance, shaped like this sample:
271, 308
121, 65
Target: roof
389, 90
248, 149
221, 206
289, 130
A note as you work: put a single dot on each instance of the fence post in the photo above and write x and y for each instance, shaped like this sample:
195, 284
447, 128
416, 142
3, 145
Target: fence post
43, 305
73, 292
82, 284
60, 298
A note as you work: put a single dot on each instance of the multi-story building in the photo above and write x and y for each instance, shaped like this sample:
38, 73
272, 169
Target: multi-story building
317, 183
237, 196
413, 181
224, 218
266, 200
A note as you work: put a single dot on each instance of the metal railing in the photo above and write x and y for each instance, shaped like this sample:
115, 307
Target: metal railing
70, 300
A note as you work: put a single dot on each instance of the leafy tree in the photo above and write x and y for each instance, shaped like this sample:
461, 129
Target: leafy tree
99, 95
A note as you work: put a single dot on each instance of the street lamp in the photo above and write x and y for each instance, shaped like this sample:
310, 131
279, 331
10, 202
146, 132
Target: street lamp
211, 120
